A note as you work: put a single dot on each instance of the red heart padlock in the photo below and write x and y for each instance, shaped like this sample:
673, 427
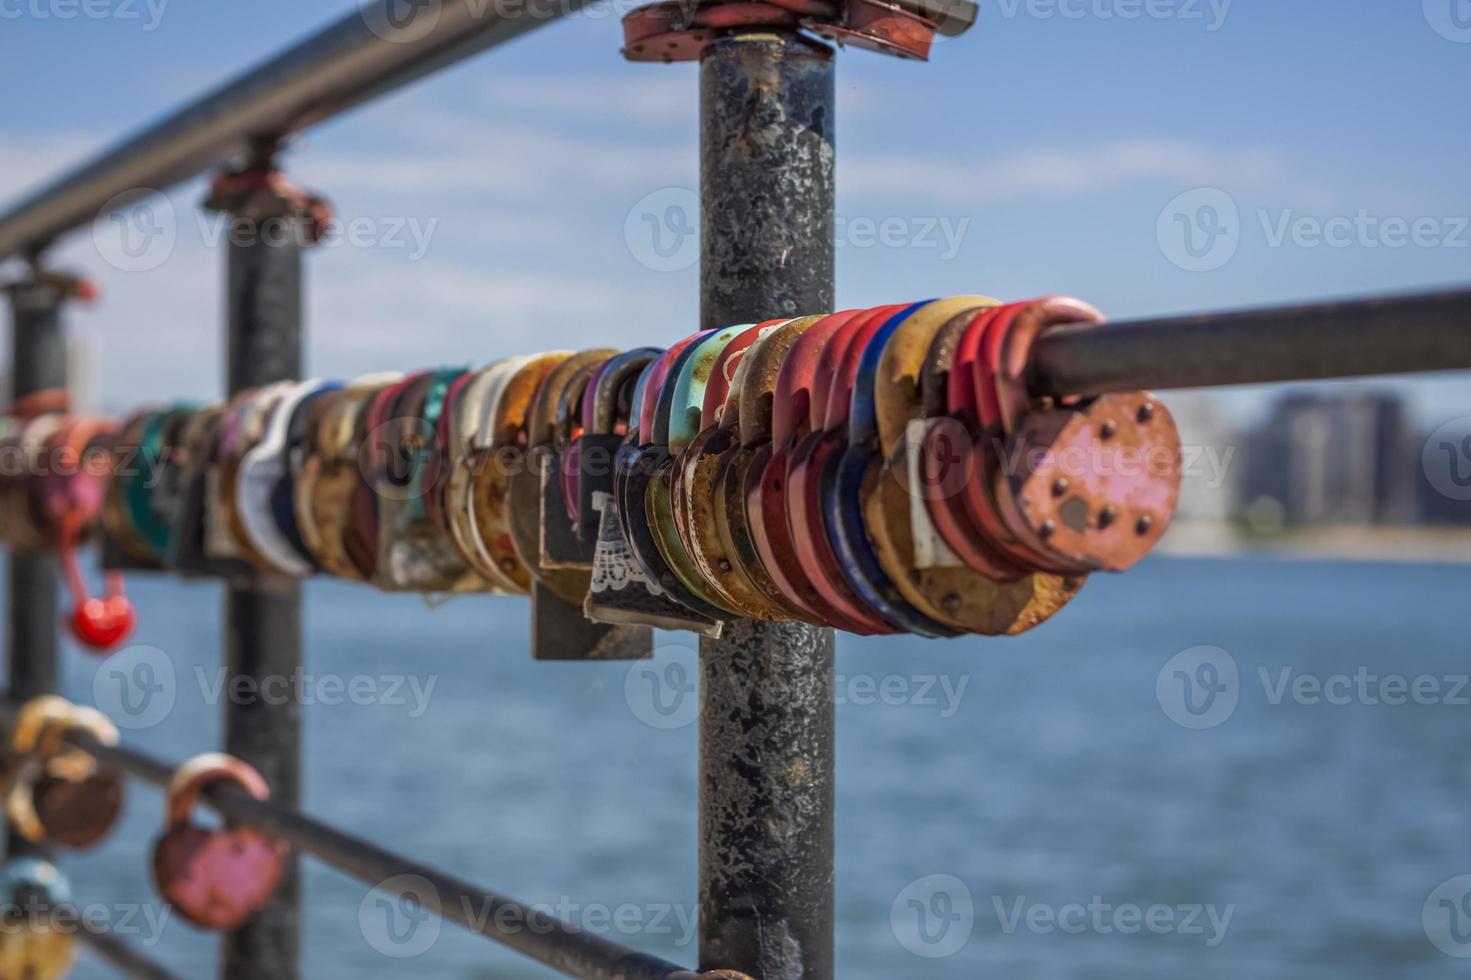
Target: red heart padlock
101, 624
216, 878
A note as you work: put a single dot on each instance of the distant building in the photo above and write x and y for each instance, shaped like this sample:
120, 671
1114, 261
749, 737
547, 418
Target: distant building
1211, 459
1444, 477
1339, 459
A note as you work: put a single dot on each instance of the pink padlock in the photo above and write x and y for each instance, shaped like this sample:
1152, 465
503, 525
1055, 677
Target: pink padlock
215, 878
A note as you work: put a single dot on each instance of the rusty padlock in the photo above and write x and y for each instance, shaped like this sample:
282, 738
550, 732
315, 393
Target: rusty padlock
60, 794
216, 878
562, 546
33, 895
954, 594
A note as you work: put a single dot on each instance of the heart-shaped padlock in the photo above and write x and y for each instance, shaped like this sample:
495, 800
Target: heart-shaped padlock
215, 878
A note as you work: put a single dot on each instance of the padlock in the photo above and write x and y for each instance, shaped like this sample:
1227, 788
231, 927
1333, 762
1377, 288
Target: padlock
741, 467
215, 878
24, 531
324, 491
681, 396
817, 454
60, 794
638, 470
414, 555
219, 478
377, 448
254, 425
943, 533
505, 435
854, 474
263, 487
956, 595
440, 461
472, 438
587, 466
123, 546
621, 591
67, 497
766, 496
34, 897
562, 546
1081, 483
188, 552
524, 488
700, 433
714, 472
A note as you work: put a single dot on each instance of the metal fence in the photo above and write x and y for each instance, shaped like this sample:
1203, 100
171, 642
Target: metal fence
766, 901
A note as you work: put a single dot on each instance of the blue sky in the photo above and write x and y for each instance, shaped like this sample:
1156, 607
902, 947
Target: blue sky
1060, 146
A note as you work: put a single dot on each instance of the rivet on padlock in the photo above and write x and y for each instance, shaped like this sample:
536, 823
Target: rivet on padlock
61, 794
1117, 456
215, 878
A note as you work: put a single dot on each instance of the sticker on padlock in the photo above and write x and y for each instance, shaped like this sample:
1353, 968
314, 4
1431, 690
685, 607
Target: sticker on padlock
216, 878
34, 944
60, 794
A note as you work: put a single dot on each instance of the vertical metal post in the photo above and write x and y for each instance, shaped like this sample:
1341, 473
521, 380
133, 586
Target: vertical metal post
37, 363
263, 616
766, 720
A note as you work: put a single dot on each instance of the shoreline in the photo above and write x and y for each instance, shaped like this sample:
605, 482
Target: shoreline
1383, 543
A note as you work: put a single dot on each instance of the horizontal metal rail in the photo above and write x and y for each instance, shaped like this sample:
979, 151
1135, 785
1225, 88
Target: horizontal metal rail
122, 957
1344, 339
384, 46
526, 929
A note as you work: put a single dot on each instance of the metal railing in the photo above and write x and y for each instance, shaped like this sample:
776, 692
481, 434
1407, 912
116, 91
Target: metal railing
768, 686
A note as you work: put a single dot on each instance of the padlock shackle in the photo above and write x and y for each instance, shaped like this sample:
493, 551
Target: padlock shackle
600, 406
542, 416
689, 381
1015, 352
722, 393
792, 399
653, 381
569, 406
761, 366
193, 775
844, 364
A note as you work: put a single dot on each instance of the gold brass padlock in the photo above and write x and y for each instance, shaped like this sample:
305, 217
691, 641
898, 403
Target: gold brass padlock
60, 794
33, 945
